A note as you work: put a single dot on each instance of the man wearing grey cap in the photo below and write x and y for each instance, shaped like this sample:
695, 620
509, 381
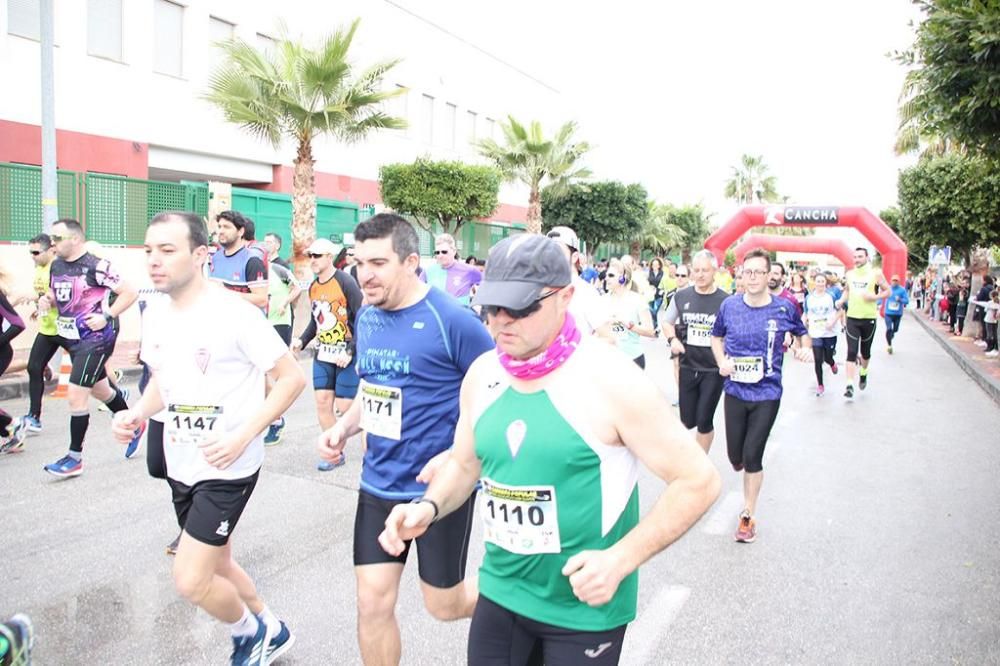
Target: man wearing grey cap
587, 307
553, 424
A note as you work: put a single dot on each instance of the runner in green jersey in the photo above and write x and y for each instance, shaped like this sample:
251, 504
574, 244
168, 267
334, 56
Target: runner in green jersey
554, 424
863, 287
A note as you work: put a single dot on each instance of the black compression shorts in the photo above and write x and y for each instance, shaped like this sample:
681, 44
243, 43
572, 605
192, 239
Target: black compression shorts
860, 333
698, 395
748, 425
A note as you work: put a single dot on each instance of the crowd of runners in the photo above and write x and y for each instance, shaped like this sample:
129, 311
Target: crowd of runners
517, 384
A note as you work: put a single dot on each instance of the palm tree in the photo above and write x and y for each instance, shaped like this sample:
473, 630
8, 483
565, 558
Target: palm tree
912, 135
300, 93
658, 232
750, 181
529, 157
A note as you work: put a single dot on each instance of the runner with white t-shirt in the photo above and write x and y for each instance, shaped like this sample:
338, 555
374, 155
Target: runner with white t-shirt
208, 351
822, 320
587, 307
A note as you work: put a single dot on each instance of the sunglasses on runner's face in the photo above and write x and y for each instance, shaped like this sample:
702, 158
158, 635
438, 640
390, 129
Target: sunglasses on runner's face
316, 255
56, 238
493, 310
442, 251
34, 253
682, 275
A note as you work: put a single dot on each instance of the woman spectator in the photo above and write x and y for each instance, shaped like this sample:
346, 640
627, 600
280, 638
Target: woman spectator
655, 277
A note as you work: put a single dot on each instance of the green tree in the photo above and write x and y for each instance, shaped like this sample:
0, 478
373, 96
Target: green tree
599, 212
951, 200
299, 93
529, 157
893, 219
694, 222
950, 94
750, 181
658, 233
450, 193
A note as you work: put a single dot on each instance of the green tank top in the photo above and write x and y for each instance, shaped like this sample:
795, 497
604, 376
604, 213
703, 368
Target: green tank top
279, 285
548, 492
861, 280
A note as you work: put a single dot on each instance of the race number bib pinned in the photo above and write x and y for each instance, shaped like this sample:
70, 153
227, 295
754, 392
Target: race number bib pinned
520, 519
190, 425
381, 410
747, 369
328, 353
66, 327
699, 334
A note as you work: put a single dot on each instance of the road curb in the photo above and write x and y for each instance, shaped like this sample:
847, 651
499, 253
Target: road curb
987, 383
16, 387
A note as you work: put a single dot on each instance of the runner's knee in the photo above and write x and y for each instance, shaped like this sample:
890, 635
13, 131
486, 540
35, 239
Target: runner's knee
446, 604
192, 585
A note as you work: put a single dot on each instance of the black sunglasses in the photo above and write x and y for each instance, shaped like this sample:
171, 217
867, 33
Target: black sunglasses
316, 255
493, 310
682, 275
442, 251
34, 253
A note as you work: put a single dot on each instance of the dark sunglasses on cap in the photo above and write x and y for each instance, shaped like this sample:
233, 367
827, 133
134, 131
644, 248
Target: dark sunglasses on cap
493, 310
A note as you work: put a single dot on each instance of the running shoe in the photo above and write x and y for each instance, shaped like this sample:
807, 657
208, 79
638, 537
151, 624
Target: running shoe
65, 467
274, 431
133, 445
889, 349
746, 531
834, 368
14, 443
252, 650
819, 389
172, 546
993, 353
863, 381
31, 425
849, 391
20, 637
280, 644
326, 466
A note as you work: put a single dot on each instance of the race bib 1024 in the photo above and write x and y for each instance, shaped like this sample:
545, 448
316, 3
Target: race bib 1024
747, 369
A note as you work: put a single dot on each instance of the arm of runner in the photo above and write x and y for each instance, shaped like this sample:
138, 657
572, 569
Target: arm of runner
127, 295
331, 442
719, 352
257, 283
449, 490
669, 331
645, 325
126, 422
307, 335
647, 427
845, 292
14, 321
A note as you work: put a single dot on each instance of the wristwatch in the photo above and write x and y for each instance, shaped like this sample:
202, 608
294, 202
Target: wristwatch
670, 339
433, 504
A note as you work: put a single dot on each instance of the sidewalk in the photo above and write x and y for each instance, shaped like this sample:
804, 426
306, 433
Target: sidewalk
983, 369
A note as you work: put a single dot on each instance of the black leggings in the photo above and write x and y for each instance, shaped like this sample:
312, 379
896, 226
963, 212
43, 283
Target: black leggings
500, 637
42, 350
748, 425
823, 353
860, 334
891, 327
6, 356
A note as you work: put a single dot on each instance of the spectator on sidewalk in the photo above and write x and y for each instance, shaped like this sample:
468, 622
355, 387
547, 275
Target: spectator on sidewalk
980, 311
991, 309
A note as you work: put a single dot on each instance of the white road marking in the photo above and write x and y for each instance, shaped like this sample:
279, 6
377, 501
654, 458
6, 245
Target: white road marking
723, 518
650, 627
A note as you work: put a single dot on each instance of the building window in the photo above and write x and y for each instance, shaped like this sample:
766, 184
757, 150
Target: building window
219, 30
24, 18
168, 57
451, 117
266, 45
471, 122
427, 121
491, 129
397, 106
104, 28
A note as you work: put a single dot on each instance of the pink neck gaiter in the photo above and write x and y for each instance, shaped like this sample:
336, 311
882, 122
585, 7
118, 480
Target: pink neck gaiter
558, 352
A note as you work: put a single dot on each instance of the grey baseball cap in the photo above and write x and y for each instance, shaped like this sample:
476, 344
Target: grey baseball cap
519, 268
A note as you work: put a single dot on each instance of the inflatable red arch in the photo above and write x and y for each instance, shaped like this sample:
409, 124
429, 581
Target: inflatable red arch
811, 244
886, 242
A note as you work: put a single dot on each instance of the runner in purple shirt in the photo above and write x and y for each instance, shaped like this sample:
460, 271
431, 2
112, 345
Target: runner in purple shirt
448, 274
747, 344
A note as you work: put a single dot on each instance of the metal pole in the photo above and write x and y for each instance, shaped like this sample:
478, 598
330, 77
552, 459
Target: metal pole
50, 189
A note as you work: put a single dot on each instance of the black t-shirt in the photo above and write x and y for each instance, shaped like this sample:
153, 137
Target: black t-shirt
696, 317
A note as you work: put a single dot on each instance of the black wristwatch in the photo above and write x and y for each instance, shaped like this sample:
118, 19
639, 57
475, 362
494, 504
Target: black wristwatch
671, 339
433, 504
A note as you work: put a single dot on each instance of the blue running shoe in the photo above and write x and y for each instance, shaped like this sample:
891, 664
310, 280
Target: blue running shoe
326, 466
274, 431
65, 467
19, 635
252, 650
134, 443
30, 424
280, 644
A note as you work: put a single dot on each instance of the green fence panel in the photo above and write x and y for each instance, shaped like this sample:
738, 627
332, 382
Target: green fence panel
21, 200
336, 218
271, 212
119, 209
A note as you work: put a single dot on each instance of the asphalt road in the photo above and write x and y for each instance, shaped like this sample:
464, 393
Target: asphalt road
876, 543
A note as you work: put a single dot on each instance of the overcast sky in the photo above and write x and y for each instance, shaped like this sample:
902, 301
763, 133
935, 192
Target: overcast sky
672, 93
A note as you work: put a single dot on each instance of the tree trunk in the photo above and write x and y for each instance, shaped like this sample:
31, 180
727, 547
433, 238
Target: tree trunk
303, 203
534, 221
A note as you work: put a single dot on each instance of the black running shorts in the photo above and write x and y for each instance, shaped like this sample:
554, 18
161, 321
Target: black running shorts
442, 550
500, 637
156, 463
88, 360
860, 333
698, 396
748, 425
209, 510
